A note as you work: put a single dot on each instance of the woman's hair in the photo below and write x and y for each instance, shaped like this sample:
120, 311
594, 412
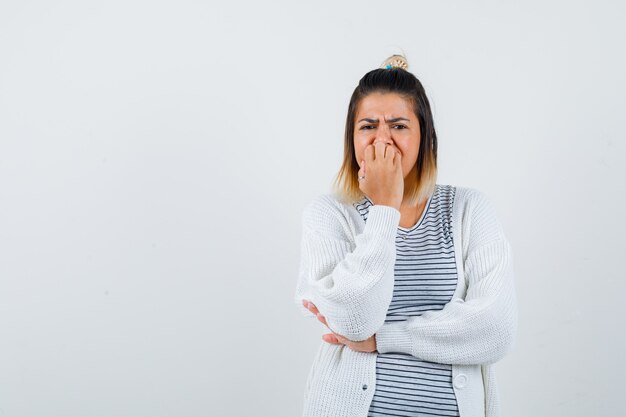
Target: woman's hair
392, 78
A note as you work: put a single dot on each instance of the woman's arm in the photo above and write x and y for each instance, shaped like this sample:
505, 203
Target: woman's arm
350, 284
479, 329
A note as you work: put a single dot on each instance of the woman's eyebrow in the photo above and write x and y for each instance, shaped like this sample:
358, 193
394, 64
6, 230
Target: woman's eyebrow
388, 121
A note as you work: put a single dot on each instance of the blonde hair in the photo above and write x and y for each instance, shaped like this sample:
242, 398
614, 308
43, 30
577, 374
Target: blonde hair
392, 77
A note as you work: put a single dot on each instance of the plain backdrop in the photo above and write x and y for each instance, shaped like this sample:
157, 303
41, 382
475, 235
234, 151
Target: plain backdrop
155, 157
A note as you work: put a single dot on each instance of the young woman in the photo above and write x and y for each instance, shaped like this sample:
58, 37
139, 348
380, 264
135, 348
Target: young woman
413, 279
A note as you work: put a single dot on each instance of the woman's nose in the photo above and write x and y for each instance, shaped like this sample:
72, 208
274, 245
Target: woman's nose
383, 135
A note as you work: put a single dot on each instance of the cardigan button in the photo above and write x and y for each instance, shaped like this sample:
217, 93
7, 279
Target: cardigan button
460, 380
364, 387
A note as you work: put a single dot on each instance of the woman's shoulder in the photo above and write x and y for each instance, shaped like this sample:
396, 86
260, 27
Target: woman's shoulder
477, 211
325, 204
460, 190
466, 198
327, 212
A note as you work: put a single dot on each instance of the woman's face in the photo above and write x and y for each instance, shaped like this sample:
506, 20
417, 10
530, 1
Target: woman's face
389, 118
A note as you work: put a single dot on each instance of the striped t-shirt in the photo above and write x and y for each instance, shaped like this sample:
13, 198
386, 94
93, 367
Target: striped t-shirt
425, 279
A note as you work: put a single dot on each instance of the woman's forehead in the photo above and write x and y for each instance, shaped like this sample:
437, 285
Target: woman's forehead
386, 103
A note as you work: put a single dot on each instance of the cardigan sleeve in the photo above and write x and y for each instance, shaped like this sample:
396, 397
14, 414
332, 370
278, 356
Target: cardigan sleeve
349, 281
479, 329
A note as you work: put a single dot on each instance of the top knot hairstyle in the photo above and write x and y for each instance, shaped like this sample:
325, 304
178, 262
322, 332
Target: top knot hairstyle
392, 77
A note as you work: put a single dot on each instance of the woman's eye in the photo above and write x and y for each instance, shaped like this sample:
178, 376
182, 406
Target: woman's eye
367, 127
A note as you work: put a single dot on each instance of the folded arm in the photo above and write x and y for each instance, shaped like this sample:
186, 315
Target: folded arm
351, 284
479, 329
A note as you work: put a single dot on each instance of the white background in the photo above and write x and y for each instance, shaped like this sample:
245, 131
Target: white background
155, 158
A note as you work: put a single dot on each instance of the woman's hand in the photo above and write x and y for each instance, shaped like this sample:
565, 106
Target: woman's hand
382, 169
368, 345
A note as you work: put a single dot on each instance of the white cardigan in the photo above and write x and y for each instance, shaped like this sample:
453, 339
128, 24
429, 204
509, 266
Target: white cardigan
347, 271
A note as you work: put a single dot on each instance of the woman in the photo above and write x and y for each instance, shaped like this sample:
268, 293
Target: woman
413, 279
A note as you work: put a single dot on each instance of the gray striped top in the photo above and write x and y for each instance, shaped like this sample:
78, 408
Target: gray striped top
425, 279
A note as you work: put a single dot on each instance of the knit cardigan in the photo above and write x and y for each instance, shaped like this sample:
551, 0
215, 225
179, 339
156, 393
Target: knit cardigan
347, 271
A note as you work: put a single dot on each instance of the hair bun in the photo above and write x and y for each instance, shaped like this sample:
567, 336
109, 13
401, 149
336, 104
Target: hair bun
395, 61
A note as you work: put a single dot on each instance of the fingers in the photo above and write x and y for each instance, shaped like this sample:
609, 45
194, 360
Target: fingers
315, 311
310, 306
368, 345
380, 150
361, 172
368, 153
331, 338
336, 338
397, 159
